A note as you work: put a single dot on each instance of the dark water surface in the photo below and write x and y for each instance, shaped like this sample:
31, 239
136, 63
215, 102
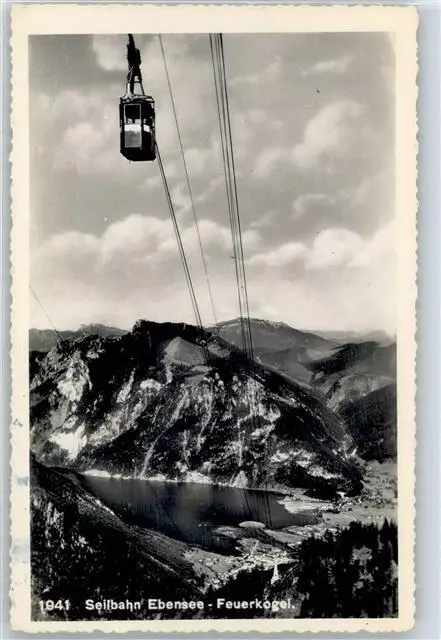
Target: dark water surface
192, 512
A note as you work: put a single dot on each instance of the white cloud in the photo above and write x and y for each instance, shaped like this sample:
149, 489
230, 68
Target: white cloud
265, 220
360, 206
83, 125
68, 105
343, 299
84, 148
370, 187
180, 196
211, 188
81, 244
251, 239
110, 52
338, 130
303, 204
334, 248
284, 255
248, 131
214, 235
199, 160
170, 169
154, 179
339, 281
86, 129
136, 238
330, 249
382, 245
269, 73
151, 183
133, 269
337, 65
269, 159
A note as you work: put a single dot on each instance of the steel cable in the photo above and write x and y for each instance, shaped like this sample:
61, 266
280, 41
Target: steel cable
184, 162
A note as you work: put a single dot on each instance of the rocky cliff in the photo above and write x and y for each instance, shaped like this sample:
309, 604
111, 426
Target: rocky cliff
173, 401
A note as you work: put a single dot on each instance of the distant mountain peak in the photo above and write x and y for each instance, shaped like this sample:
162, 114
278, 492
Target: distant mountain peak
98, 326
253, 320
44, 340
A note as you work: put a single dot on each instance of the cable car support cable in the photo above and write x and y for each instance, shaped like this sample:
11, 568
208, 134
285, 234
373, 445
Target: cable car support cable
190, 191
40, 304
228, 180
232, 194
179, 240
236, 198
219, 72
229, 171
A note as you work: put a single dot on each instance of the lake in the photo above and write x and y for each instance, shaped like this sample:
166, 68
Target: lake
192, 512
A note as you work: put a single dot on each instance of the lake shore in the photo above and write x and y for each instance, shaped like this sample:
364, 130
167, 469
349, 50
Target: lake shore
191, 478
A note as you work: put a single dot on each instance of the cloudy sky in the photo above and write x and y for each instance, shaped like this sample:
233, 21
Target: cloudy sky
313, 131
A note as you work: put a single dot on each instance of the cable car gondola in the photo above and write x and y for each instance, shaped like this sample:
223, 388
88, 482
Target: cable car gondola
136, 113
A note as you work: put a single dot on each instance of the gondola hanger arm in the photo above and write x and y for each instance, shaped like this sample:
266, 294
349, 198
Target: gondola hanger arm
134, 64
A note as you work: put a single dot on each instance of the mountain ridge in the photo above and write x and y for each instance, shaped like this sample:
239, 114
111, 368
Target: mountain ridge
148, 403
44, 339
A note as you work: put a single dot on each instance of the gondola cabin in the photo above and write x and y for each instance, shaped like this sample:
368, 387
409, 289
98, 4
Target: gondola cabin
137, 128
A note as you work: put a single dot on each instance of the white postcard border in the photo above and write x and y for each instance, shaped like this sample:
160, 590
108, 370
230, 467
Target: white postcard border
69, 19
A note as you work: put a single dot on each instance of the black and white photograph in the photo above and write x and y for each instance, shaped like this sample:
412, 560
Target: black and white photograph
212, 328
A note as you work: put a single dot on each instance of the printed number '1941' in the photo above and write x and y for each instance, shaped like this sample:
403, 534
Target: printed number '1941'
51, 605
